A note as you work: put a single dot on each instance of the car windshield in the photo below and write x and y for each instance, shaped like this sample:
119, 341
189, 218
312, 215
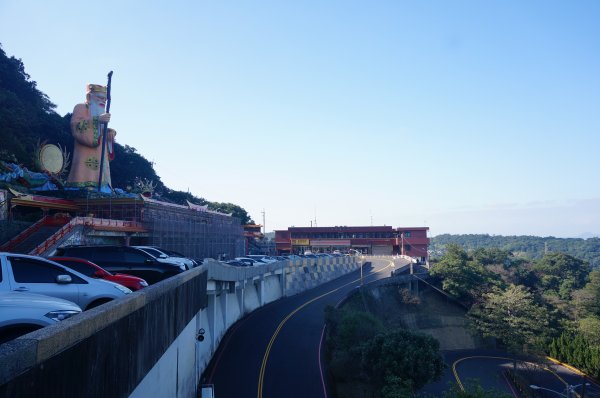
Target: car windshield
172, 253
153, 252
81, 267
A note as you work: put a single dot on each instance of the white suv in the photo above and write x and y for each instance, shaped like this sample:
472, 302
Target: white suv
23, 273
21, 313
164, 257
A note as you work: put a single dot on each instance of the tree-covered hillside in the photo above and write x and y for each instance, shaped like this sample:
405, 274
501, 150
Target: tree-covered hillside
28, 117
549, 306
530, 247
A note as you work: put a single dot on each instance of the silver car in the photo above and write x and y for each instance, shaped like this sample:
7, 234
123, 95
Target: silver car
165, 256
21, 313
31, 274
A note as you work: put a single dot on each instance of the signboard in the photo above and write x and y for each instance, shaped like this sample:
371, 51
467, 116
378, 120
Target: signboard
330, 242
300, 242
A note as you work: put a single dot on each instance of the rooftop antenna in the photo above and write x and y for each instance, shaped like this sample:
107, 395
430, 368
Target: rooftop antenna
315, 216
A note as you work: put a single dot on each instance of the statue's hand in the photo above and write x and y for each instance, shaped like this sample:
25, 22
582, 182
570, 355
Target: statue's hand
104, 118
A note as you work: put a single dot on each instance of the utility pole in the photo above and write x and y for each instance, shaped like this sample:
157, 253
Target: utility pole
402, 240
264, 224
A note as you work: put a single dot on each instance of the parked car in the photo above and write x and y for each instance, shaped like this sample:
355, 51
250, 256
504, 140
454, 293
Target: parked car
171, 253
236, 263
249, 261
125, 260
164, 257
323, 255
23, 273
21, 313
92, 270
262, 257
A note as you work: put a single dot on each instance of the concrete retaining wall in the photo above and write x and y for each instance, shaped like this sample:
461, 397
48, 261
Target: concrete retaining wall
308, 273
109, 350
145, 345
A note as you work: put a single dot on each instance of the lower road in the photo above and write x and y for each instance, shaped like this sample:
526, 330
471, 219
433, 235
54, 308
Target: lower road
276, 350
488, 368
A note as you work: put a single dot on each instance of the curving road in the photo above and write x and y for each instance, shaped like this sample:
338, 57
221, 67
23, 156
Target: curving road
488, 366
275, 351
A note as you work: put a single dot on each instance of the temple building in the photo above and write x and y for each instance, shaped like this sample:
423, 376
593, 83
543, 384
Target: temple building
192, 230
376, 240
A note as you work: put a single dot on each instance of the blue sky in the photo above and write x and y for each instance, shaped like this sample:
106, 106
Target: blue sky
465, 116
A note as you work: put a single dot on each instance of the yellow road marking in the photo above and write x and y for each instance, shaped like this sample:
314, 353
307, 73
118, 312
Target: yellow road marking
566, 365
503, 358
263, 366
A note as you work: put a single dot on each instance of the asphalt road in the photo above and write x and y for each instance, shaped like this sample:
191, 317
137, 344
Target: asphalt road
274, 352
486, 366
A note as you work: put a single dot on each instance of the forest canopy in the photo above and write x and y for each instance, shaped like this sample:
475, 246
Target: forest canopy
527, 247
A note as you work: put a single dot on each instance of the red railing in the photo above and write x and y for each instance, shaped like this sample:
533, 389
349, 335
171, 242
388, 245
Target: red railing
107, 222
45, 245
14, 242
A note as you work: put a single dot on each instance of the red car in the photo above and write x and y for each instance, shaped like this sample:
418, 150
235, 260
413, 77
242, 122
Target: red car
92, 270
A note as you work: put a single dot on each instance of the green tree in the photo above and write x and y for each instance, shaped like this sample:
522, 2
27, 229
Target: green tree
528, 247
347, 331
492, 255
402, 355
561, 274
512, 316
586, 301
129, 165
26, 114
577, 351
589, 328
395, 387
235, 210
462, 277
472, 390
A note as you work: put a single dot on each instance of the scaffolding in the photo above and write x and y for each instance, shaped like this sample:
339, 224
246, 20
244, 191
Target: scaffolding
195, 233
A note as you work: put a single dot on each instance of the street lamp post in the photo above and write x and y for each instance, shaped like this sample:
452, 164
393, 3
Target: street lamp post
534, 387
361, 271
569, 390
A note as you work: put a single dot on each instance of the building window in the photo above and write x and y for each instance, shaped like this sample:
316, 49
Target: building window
407, 234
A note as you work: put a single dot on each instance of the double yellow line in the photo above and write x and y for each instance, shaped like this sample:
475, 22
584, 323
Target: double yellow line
501, 358
263, 366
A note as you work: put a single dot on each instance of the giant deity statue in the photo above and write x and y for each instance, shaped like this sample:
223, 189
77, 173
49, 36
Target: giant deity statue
92, 152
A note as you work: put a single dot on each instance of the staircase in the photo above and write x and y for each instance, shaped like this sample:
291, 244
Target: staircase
33, 236
35, 239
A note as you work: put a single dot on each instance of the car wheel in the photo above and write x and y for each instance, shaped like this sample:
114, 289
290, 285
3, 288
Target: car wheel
96, 303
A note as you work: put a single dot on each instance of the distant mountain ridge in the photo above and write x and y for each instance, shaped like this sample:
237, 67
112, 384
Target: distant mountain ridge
530, 247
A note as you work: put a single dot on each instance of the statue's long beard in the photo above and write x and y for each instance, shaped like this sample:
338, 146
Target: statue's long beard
96, 109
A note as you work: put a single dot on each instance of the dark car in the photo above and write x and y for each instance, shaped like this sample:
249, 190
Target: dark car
236, 263
125, 260
88, 268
